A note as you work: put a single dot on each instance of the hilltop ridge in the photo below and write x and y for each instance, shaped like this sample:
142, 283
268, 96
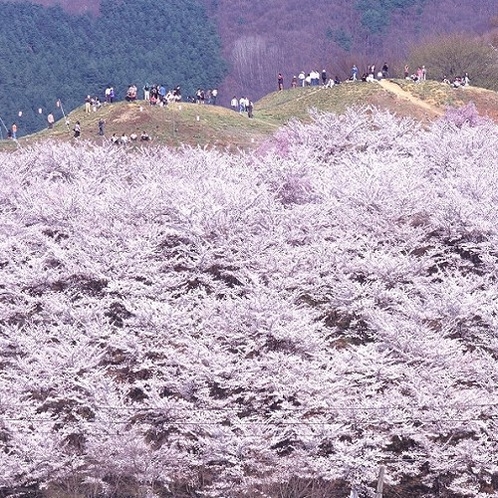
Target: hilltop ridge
215, 126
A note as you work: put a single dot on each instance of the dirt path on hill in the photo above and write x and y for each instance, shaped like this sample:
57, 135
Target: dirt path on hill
306, 95
403, 94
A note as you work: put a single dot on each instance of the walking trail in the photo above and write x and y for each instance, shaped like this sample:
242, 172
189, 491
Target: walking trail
394, 88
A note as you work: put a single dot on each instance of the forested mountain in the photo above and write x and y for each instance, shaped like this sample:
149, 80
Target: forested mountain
47, 54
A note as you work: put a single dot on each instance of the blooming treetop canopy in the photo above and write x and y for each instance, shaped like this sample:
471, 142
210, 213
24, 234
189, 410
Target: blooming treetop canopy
246, 324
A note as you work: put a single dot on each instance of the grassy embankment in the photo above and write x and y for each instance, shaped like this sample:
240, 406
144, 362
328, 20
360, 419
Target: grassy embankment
216, 126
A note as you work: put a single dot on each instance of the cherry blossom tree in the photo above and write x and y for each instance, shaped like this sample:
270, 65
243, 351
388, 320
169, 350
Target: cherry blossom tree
283, 322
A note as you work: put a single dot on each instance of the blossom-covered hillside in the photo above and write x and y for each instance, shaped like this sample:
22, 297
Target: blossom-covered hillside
280, 323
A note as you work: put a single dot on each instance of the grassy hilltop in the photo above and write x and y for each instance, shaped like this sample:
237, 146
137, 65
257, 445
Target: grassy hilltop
215, 126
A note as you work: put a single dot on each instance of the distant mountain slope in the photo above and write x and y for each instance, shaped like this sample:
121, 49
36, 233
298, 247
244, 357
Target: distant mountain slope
260, 39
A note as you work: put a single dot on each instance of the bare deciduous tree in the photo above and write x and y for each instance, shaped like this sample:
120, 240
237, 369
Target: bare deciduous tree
457, 54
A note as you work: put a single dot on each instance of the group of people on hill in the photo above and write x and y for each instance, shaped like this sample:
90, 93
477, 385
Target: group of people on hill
419, 75
158, 94
204, 96
121, 140
152, 94
370, 74
92, 104
316, 78
242, 105
313, 78
155, 94
458, 81
124, 139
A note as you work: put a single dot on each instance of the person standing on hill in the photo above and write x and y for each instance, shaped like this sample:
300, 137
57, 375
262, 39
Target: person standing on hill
242, 104
14, 131
50, 121
162, 93
385, 70
324, 77
315, 78
280, 81
354, 73
234, 103
146, 90
302, 78
250, 108
77, 129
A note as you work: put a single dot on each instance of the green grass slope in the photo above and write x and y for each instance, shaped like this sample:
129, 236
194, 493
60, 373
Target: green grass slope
218, 127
